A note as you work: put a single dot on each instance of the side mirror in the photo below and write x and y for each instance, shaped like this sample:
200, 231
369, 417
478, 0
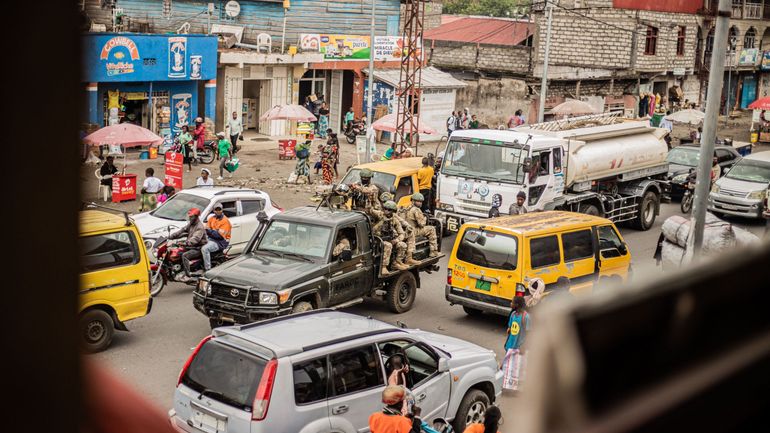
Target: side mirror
443, 365
726, 170
623, 249
262, 217
346, 255
527, 166
392, 190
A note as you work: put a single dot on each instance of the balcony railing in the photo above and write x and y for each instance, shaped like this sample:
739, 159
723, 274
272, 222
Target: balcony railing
752, 11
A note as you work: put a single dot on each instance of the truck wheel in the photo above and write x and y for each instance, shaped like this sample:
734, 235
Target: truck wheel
471, 410
473, 312
589, 209
401, 293
96, 329
301, 307
646, 214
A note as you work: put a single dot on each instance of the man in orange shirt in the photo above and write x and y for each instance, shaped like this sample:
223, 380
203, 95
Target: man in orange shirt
390, 420
218, 231
424, 181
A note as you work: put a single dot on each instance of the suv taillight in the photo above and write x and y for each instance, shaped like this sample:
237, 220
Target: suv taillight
192, 356
449, 277
264, 391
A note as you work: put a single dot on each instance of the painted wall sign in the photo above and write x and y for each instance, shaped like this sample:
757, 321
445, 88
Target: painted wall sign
195, 67
765, 61
119, 54
177, 57
181, 109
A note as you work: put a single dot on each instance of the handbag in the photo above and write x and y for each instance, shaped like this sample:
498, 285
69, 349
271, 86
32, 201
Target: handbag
240, 137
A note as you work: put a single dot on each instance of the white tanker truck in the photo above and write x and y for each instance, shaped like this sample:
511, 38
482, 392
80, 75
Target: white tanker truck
600, 165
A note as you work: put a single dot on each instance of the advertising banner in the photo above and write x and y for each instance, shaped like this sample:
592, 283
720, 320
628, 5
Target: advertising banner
123, 187
336, 47
749, 56
391, 48
174, 170
765, 61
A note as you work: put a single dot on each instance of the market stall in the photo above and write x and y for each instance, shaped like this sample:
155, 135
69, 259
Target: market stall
760, 122
303, 129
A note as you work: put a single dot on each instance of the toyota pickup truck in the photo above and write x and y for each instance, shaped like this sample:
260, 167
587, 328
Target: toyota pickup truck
289, 266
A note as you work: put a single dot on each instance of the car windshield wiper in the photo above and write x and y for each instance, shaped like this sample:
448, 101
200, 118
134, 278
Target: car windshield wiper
207, 392
271, 252
299, 256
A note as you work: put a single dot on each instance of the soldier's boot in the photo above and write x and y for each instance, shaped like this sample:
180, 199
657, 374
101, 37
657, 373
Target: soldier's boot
399, 266
433, 253
411, 261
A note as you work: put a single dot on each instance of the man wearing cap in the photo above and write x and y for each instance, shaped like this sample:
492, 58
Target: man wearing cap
518, 207
196, 239
218, 231
390, 419
416, 218
391, 232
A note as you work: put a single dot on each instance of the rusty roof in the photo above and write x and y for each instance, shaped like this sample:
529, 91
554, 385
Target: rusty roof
482, 30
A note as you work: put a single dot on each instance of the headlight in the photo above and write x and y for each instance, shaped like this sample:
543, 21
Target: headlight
715, 189
204, 287
268, 298
148, 244
679, 178
446, 207
756, 195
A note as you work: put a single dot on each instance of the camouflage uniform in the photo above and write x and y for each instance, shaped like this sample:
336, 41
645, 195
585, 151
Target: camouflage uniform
410, 235
417, 219
342, 245
396, 242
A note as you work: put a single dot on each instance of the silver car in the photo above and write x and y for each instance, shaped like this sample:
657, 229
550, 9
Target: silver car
743, 189
324, 371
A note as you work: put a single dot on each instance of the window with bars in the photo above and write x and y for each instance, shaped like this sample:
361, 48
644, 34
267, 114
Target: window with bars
732, 41
680, 38
651, 41
750, 39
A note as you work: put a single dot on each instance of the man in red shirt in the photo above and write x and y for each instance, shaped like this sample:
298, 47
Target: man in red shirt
390, 420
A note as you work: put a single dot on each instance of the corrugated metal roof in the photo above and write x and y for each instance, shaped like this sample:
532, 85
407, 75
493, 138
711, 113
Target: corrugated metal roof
482, 30
432, 78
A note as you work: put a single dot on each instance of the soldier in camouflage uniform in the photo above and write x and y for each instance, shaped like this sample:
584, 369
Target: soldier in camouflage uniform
419, 222
410, 237
342, 244
369, 192
389, 229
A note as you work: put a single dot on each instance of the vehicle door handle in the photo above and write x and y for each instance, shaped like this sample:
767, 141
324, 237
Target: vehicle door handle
359, 265
340, 409
235, 226
421, 397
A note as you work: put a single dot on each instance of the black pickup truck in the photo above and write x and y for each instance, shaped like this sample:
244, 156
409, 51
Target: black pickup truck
288, 267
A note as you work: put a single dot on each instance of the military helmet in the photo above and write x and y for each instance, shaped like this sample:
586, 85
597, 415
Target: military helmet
386, 196
365, 173
390, 205
342, 189
418, 197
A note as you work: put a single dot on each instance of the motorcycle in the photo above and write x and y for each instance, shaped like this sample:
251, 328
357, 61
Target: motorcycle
356, 128
689, 193
205, 153
169, 267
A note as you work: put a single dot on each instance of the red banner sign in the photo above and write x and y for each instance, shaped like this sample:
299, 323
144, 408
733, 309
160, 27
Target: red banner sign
123, 187
174, 170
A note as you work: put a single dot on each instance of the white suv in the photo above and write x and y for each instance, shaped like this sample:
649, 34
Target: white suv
240, 205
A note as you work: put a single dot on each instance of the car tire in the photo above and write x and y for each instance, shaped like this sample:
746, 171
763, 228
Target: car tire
473, 312
96, 330
589, 209
301, 307
645, 217
471, 409
402, 293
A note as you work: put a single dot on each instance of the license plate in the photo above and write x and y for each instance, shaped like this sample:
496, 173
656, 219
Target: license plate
729, 207
483, 285
208, 423
453, 224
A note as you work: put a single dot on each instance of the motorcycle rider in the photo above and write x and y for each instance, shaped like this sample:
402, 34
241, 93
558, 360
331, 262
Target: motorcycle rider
391, 232
196, 239
415, 216
218, 231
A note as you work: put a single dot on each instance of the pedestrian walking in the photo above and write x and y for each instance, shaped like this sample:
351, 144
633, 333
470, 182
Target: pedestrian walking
491, 423
518, 207
236, 129
199, 136
327, 164
303, 167
466, 118
497, 201
150, 189
186, 146
518, 326
424, 179
451, 123
224, 152
205, 178
323, 120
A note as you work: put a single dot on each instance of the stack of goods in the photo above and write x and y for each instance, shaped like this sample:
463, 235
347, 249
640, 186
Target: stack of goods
718, 237
163, 117
211, 134
305, 130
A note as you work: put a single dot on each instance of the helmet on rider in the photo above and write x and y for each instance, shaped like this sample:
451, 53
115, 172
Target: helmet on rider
390, 205
366, 176
418, 197
386, 197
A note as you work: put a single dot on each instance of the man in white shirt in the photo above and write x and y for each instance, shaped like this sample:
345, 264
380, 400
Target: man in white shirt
236, 128
150, 188
205, 178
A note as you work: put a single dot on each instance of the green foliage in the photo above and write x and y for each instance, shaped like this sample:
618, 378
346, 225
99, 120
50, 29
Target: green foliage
490, 8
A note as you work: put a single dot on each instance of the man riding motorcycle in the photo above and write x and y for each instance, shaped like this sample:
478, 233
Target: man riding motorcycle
195, 232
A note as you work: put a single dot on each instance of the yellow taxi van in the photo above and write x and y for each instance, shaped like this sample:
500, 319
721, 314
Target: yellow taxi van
492, 259
399, 175
114, 277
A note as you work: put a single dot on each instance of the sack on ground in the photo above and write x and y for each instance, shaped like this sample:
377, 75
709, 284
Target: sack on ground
512, 367
292, 177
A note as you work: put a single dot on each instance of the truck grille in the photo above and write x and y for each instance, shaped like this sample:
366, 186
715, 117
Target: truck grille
732, 192
473, 206
229, 293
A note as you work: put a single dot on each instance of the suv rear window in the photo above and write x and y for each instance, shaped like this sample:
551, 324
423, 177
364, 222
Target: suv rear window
108, 250
488, 249
225, 374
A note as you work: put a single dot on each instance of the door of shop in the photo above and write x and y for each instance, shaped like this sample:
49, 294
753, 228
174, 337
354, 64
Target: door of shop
749, 92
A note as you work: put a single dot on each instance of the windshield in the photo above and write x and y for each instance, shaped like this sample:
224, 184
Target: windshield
383, 181
679, 156
750, 171
483, 161
225, 374
176, 207
284, 237
488, 249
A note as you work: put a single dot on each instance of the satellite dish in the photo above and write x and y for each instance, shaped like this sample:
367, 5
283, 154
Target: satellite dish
232, 8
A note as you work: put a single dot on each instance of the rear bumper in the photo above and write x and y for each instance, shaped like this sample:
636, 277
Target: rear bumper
737, 206
238, 313
177, 423
478, 301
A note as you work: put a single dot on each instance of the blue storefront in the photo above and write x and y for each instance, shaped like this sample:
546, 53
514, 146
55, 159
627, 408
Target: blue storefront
160, 82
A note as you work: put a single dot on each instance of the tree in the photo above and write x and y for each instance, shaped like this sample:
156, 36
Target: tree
491, 8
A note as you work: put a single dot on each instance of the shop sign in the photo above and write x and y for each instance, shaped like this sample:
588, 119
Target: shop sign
181, 103
174, 170
135, 96
120, 53
749, 56
679, 71
337, 47
391, 48
765, 61
177, 57
195, 67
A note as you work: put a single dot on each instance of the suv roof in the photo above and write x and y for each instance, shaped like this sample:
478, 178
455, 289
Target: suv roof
210, 192
296, 333
759, 156
321, 216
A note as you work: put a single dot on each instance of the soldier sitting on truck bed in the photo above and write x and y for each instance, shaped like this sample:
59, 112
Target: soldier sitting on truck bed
417, 219
392, 234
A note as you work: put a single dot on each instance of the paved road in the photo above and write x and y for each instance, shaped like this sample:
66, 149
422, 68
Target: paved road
151, 355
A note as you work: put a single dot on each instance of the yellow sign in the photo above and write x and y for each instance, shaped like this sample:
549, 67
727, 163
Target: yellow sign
135, 96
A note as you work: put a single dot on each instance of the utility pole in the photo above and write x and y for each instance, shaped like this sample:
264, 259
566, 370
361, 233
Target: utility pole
544, 80
716, 74
370, 109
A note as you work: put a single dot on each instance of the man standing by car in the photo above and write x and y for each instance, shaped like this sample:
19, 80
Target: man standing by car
518, 207
417, 219
392, 234
218, 233
196, 239
424, 179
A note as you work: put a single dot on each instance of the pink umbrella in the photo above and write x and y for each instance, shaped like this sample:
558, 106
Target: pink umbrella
388, 123
761, 104
125, 134
289, 112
